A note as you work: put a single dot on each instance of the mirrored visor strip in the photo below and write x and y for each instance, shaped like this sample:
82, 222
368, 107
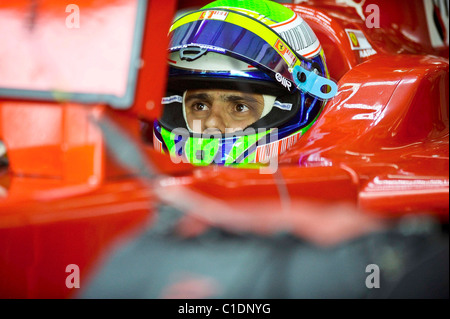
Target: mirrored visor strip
243, 21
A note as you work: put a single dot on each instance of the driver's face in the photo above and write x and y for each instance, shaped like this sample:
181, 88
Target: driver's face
222, 110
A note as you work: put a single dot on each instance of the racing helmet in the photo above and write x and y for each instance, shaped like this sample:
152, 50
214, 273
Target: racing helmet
255, 46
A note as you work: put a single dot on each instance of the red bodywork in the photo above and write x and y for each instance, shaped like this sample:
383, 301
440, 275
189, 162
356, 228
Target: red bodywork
378, 152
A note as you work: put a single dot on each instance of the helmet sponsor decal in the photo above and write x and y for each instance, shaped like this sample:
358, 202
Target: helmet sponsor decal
172, 99
283, 106
214, 15
285, 82
299, 35
285, 52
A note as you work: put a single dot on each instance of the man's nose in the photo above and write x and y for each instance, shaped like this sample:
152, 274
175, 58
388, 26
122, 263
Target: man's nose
215, 120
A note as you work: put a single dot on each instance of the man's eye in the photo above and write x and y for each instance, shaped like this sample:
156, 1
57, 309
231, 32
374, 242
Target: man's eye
241, 108
199, 107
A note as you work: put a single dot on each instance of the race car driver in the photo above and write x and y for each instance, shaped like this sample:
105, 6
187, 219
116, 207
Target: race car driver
246, 80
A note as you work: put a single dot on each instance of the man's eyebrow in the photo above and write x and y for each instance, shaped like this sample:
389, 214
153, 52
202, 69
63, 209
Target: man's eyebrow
198, 96
240, 98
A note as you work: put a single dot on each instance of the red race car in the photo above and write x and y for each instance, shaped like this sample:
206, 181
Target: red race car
94, 204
